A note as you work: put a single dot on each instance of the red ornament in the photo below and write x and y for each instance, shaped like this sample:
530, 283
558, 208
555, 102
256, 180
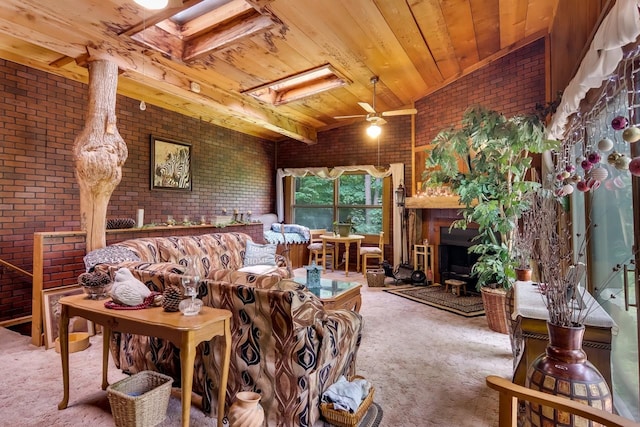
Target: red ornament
619, 123
586, 165
582, 186
634, 166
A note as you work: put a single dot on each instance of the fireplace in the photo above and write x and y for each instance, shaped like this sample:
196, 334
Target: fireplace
454, 262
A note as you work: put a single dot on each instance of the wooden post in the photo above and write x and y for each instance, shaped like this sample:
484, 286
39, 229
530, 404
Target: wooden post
99, 152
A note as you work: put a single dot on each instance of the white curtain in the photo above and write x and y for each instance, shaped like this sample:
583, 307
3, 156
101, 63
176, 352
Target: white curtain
395, 170
620, 27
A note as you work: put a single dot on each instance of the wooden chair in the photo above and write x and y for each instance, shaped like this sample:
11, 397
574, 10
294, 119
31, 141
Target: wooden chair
315, 249
510, 393
372, 252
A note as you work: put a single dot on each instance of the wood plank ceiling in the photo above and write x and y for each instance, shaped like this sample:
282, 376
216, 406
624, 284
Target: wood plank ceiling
201, 65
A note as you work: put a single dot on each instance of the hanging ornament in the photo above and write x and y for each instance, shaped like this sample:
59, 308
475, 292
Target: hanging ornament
605, 144
593, 184
582, 186
612, 158
576, 178
567, 189
594, 157
631, 134
586, 165
599, 174
618, 182
622, 162
619, 123
634, 166
570, 168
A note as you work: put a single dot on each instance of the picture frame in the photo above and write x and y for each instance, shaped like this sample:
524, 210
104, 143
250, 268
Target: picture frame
51, 307
170, 164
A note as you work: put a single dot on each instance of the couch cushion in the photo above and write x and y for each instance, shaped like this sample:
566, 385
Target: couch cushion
256, 254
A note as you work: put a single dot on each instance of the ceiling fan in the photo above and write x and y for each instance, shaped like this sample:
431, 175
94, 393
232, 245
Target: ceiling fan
375, 117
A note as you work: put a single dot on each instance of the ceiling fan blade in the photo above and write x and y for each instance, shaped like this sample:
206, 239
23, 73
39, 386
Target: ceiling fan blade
366, 107
404, 112
350, 117
381, 121
175, 3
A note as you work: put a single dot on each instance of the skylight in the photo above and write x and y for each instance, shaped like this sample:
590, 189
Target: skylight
299, 86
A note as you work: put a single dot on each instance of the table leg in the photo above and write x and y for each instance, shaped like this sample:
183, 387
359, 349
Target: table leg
224, 375
324, 255
358, 257
346, 258
63, 336
106, 335
187, 360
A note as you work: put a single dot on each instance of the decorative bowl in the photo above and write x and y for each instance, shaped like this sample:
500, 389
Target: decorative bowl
97, 291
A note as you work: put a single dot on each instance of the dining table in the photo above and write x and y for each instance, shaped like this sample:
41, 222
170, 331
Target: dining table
346, 241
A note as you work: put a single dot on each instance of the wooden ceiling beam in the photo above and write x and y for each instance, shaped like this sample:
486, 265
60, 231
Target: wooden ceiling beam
224, 35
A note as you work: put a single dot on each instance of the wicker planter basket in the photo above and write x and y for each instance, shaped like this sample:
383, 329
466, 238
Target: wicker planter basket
494, 308
375, 278
344, 418
140, 400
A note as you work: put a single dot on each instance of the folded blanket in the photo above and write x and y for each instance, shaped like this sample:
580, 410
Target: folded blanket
346, 395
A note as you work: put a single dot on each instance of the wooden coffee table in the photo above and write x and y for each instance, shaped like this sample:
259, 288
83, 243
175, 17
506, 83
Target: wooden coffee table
336, 294
186, 332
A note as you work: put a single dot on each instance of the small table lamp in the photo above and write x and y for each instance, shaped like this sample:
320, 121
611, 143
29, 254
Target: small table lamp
313, 275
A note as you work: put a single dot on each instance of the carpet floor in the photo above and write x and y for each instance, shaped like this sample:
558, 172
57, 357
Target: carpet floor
436, 296
428, 367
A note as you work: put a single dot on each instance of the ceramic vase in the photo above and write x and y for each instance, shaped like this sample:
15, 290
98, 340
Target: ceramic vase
565, 371
246, 410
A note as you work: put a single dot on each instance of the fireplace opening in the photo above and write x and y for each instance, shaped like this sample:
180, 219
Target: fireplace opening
454, 261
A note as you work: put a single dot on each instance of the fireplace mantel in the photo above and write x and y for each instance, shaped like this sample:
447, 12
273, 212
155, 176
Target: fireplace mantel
433, 202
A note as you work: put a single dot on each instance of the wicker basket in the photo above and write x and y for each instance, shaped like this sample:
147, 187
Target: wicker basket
140, 400
494, 308
344, 418
375, 278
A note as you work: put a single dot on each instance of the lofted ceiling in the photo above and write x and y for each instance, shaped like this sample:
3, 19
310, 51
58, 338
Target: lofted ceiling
203, 61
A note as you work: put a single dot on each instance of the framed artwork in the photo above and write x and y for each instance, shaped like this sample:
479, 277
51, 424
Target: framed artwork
51, 316
170, 165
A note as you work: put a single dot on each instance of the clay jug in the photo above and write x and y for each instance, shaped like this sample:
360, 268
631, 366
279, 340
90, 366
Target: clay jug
565, 371
246, 410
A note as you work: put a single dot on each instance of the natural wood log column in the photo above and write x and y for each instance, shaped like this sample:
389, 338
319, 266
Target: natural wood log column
99, 152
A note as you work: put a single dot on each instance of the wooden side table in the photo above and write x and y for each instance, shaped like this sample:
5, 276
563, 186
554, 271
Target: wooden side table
186, 332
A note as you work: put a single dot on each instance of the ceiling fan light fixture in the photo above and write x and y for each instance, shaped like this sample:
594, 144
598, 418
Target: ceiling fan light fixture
374, 130
153, 4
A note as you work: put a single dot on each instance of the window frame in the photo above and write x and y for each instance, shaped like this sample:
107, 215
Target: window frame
387, 205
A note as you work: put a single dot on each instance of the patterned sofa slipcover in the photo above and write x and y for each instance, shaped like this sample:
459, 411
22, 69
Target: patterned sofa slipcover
285, 345
219, 257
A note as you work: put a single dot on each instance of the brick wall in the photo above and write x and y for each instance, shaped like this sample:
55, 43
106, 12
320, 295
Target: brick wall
40, 116
512, 85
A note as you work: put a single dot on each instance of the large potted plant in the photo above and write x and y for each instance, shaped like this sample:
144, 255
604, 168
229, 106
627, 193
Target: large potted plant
486, 161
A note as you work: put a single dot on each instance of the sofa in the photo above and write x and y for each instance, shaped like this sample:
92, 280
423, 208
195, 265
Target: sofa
285, 345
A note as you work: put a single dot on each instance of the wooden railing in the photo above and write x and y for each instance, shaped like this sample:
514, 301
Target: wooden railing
16, 268
510, 393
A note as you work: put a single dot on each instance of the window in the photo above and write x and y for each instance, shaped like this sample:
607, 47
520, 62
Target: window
318, 202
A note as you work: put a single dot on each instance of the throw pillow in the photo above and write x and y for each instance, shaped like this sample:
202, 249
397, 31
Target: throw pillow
108, 255
256, 254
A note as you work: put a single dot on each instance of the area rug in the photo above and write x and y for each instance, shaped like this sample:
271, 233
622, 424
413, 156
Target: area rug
373, 416
435, 296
